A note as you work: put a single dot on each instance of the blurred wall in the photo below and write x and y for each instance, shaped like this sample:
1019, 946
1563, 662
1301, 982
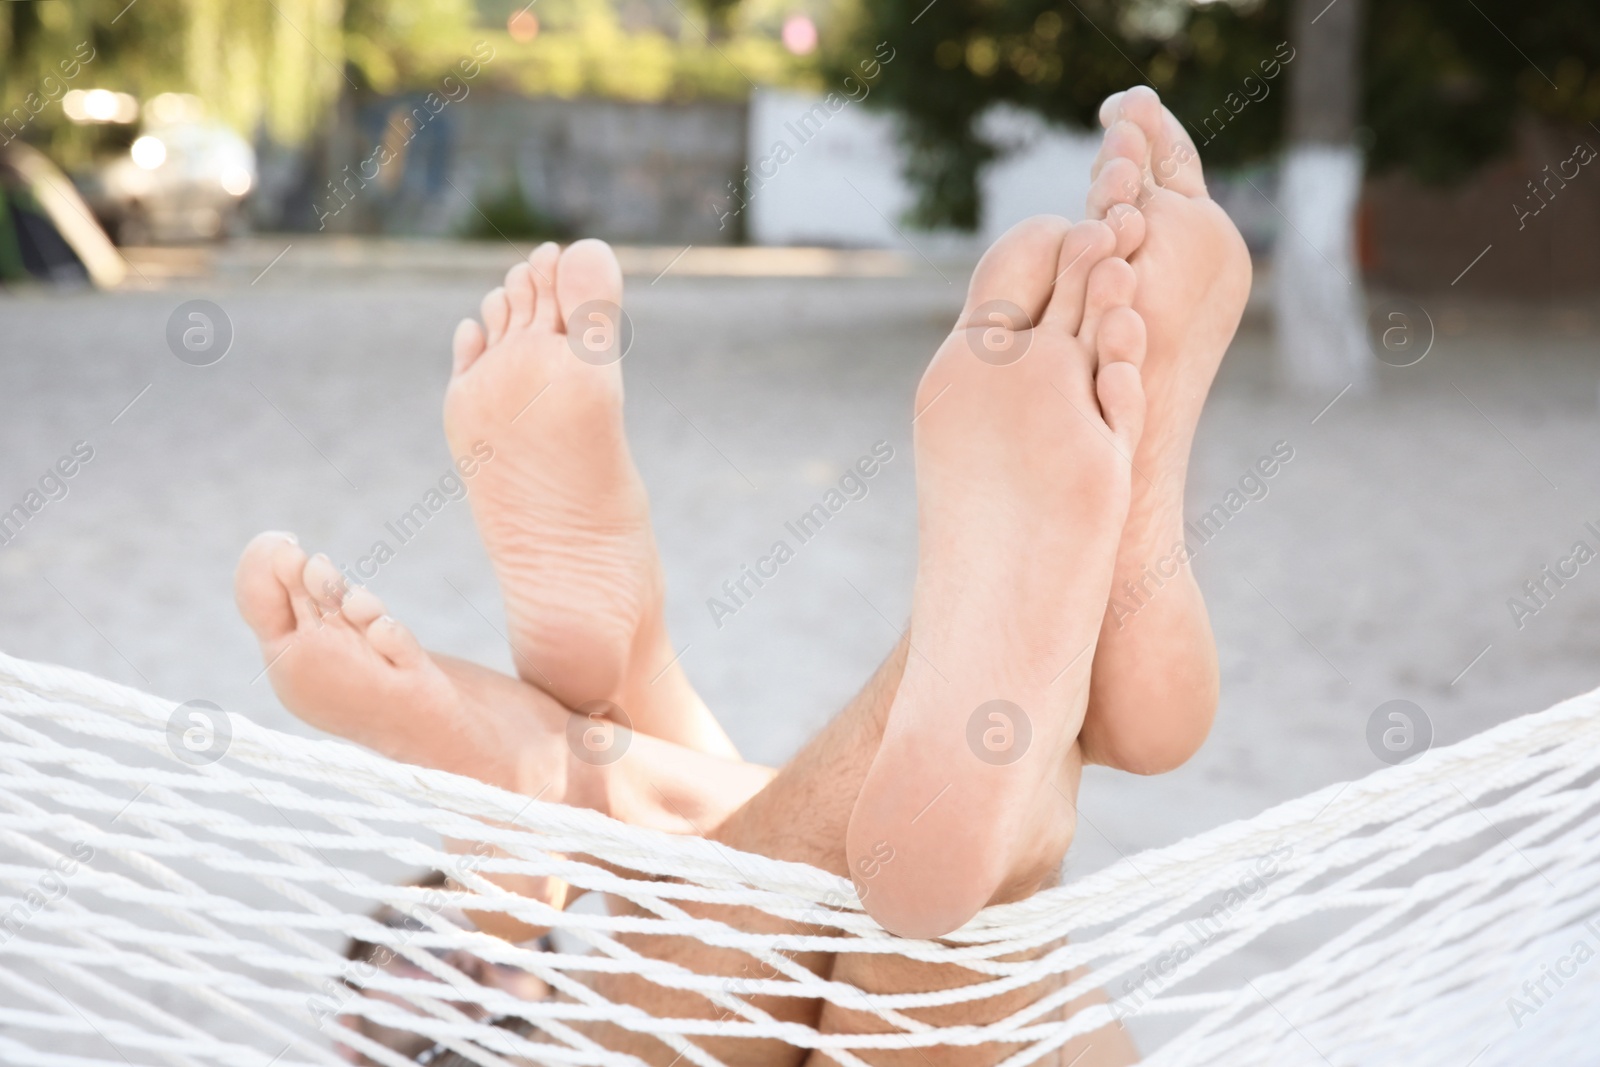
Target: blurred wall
622, 171
1534, 218
625, 172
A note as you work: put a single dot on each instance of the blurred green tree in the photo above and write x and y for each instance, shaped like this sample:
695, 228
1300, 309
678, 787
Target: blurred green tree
278, 68
275, 67
1443, 81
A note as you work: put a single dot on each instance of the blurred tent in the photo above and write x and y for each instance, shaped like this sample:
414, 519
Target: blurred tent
47, 232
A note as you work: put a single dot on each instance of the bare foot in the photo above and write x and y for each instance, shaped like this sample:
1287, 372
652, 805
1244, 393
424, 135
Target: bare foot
561, 508
1154, 689
339, 662
1022, 435
342, 664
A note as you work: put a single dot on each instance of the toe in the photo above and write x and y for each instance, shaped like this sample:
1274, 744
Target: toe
1174, 163
1141, 105
1111, 285
394, 642
1120, 391
1017, 271
362, 608
262, 598
1120, 181
543, 265
289, 567
466, 346
520, 295
588, 271
324, 584
1086, 245
1127, 222
1111, 109
1121, 337
1123, 140
1177, 167
496, 313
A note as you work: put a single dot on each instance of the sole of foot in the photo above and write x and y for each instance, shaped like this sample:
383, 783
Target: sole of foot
341, 663
1024, 425
534, 406
1149, 711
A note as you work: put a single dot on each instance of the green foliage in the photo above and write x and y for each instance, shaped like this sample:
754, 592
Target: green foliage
506, 213
1443, 85
281, 66
276, 65
588, 48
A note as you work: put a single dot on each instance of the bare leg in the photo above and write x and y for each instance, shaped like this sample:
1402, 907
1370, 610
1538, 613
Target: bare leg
326, 668
822, 782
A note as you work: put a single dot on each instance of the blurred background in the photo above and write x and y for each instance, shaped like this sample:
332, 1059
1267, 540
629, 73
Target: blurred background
798, 190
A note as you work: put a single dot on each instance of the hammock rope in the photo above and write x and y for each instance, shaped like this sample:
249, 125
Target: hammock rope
156, 911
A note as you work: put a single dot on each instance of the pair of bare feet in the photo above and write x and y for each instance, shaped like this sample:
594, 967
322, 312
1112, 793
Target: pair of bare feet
1052, 442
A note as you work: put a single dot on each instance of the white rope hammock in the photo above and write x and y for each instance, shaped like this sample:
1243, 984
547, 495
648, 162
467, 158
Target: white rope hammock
157, 912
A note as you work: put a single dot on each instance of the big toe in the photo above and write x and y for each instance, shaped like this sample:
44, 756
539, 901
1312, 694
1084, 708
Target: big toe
1012, 283
1174, 162
264, 601
588, 286
1086, 245
587, 271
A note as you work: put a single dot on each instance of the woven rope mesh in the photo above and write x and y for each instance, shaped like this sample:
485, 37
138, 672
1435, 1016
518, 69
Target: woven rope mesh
155, 911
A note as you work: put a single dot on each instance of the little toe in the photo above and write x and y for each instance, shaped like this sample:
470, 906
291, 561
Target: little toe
466, 346
542, 267
261, 597
520, 294
496, 312
325, 585
394, 642
1111, 285
1015, 273
1086, 245
363, 607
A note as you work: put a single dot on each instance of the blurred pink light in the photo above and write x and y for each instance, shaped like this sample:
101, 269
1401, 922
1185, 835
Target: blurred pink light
523, 26
800, 34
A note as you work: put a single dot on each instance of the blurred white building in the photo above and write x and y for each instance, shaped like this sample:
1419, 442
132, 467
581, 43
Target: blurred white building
826, 176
